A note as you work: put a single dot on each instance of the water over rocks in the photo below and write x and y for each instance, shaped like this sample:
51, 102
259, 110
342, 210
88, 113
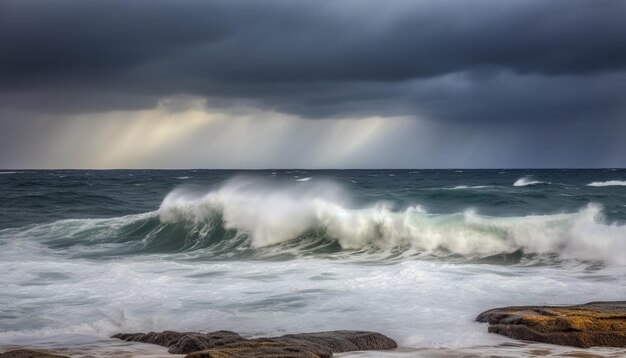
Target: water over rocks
588, 325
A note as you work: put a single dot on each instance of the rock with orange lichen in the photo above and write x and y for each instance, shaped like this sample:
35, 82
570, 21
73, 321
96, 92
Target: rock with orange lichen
589, 325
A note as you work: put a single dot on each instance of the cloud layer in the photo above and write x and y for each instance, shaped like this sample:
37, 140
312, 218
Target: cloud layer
523, 66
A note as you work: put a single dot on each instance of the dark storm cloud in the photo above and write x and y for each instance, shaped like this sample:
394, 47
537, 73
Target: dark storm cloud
450, 60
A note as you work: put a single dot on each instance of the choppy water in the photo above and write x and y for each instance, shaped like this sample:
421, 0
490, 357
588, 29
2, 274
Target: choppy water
415, 254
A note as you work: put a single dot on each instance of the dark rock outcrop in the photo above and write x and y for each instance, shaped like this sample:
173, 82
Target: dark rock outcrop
196, 342
344, 341
589, 325
165, 339
264, 348
224, 344
27, 353
183, 343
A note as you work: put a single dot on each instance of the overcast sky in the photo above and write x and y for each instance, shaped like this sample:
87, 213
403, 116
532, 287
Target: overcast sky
312, 84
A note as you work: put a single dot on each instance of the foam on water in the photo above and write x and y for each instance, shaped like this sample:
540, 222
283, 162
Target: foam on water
419, 303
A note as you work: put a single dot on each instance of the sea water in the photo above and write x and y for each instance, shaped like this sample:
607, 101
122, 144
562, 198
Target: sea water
413, 254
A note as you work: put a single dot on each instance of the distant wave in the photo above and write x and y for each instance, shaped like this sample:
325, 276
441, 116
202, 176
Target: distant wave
183, 178
6, 173
526, 181
461, 187
304, 179
608, 183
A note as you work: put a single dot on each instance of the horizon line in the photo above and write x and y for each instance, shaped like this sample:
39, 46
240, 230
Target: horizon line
320, 169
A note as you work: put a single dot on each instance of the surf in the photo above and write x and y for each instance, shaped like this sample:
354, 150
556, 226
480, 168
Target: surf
249, 217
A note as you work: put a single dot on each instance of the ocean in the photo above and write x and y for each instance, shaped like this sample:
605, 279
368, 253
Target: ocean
413, 254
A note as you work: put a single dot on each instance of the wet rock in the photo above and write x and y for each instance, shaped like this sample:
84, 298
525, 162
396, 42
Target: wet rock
345, 341
589, 325
197, 342
264, 348
165, 339
318, 344
223, 344
27, 353
183, 343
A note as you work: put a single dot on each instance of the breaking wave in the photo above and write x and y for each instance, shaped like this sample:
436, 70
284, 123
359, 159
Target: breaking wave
245, 218
463, 187
526, 181
608, 183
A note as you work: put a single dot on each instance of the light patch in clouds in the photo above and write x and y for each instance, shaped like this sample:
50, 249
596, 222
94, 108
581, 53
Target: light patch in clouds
181, 132
185, 132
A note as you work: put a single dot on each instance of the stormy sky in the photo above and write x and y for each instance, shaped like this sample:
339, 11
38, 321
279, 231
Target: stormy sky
312, 84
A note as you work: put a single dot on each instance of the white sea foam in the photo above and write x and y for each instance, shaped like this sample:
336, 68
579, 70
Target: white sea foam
608, 183
183, 178
421, 304
526, 181
272, 215
304, 179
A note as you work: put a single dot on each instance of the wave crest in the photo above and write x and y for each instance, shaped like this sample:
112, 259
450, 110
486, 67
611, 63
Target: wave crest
272, 215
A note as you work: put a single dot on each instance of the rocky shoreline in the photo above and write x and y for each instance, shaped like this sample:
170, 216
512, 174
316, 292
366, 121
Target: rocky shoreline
594, 324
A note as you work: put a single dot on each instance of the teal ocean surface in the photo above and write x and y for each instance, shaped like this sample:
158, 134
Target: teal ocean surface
414, 254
